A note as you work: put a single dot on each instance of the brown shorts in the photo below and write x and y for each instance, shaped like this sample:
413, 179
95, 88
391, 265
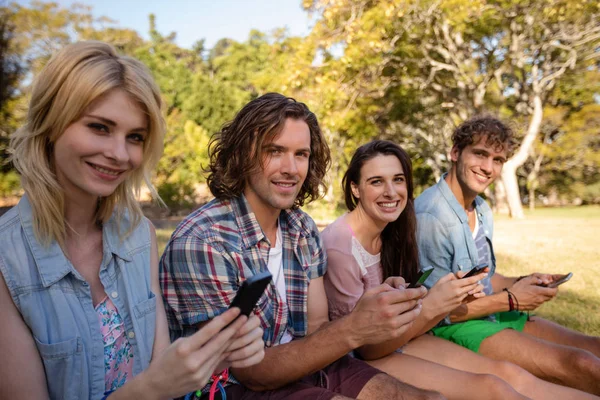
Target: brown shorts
347, 376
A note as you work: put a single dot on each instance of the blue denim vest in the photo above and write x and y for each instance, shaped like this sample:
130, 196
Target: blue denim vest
444, 236
56, 303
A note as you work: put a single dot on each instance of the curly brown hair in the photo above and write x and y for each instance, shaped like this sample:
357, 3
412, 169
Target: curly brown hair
498, 134
236, 151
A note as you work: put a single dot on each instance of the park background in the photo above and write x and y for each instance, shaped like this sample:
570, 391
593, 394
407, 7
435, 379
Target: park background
404, 70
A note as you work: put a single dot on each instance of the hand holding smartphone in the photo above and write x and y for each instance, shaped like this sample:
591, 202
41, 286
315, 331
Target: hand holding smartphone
558, 282
250, 291
478, 269
420, 278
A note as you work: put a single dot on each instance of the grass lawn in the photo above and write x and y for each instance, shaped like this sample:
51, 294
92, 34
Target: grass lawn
557, 240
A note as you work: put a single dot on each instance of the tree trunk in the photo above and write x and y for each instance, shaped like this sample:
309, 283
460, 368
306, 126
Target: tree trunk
500, 205
531, 198
509, 172
532, 180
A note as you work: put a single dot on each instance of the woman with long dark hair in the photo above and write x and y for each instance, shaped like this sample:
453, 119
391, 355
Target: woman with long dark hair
374, 243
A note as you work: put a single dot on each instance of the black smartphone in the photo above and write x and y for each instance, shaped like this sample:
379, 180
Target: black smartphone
421, 277
562, 280
475, 270
250, 291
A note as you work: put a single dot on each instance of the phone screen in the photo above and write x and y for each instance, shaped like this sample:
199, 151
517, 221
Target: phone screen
475, 270
560, 281
250, 291
424, 274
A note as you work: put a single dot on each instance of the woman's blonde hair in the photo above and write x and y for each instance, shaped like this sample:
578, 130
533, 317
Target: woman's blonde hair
72, 80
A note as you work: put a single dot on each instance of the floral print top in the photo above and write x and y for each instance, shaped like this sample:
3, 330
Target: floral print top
118, 354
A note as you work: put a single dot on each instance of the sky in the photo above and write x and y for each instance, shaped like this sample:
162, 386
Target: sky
209, 19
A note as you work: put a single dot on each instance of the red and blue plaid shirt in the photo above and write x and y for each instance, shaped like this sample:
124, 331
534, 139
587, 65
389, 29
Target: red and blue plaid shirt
219, 246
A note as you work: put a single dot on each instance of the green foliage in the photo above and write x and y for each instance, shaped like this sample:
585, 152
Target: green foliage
10, 183
403, 70
172, 67
570, 149
410, 71
212, 102
181, 167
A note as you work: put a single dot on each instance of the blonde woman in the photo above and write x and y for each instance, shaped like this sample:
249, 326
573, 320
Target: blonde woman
81, 311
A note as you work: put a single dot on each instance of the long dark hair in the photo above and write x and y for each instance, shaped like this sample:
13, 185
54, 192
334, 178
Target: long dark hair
236, 151
399, 251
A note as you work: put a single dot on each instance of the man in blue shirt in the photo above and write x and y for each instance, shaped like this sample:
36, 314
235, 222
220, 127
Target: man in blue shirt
454, 233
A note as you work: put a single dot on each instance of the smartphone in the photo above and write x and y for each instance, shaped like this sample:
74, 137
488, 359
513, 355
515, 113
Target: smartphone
421, 277
562, 280
250, 291
475, 270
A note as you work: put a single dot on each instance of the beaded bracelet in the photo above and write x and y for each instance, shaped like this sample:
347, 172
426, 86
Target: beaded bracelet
513, 302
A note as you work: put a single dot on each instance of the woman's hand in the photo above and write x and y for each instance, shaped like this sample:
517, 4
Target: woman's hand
450, 292
396, 282
188, 363
248, 347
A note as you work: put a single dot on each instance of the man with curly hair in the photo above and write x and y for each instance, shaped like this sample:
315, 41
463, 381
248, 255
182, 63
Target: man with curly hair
263, 166
454, 234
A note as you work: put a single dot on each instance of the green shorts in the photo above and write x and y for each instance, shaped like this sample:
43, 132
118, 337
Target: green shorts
470, 334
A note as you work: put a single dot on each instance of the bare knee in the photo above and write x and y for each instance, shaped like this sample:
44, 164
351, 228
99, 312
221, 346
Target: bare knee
516, 376
582, 361
424, 395
384, 386
495, 387
433, 396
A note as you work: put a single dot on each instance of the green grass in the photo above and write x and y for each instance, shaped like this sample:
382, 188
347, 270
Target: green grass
553, 240
557, 240
162, 237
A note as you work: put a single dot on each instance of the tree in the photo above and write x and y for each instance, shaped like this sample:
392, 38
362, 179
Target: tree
11, 71
548, 40
459, 58
571, 152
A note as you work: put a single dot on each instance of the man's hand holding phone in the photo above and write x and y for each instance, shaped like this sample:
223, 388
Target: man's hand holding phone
384, 313
529, 294
552, 281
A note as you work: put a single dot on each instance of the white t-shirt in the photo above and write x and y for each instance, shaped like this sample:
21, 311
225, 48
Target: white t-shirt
275, 267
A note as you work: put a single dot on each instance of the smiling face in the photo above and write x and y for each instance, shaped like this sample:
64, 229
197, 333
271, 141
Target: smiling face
97, 152
276, 185
477, 165
382, 189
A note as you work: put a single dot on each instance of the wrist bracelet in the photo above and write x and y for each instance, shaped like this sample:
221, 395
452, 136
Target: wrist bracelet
511, 303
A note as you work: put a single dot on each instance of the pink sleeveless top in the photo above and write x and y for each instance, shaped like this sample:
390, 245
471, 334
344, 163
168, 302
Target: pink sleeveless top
118, 354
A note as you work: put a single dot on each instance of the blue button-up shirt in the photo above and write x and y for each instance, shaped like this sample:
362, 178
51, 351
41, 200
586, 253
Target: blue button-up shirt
56, 302
444, 237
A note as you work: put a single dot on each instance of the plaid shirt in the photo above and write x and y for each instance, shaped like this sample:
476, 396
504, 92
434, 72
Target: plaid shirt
219, 246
